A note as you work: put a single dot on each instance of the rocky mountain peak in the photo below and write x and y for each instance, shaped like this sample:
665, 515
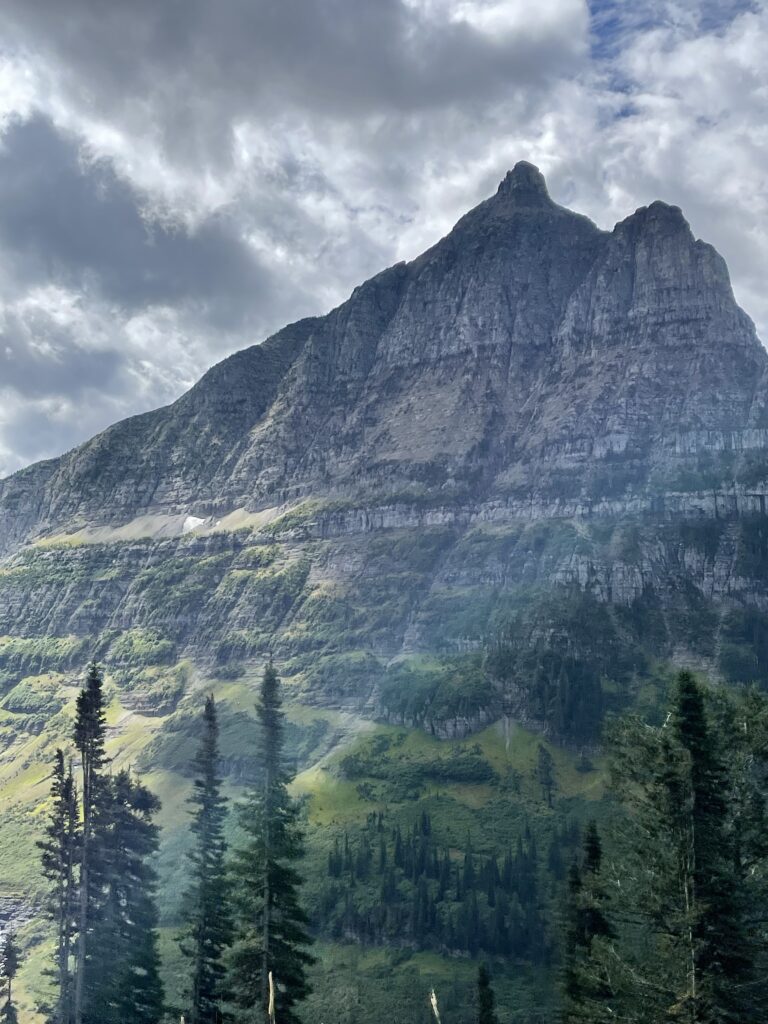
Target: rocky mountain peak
524, 180
527, 360
658, 218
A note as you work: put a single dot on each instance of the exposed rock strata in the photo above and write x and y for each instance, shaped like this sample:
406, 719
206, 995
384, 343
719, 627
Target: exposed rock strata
528, 359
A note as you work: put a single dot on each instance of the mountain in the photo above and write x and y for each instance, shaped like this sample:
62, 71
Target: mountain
527, 359
497, 492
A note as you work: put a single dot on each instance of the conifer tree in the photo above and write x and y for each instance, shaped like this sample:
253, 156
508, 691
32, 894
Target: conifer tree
270, 925
205, 907
587, 992
486, 1000
468, 878
123, 980
90, 728
689, 949
60, 850
545, 773
9, 966
720, 947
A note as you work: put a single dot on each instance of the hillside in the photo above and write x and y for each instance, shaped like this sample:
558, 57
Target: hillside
491, 498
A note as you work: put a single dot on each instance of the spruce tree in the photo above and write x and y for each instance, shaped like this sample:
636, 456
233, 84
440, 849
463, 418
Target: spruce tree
721, 956
689, 948
574, 941
90, 729
60, 850
270, 925
486, 1000
586, 988
123, 980
205, 908
9, 966
545, 773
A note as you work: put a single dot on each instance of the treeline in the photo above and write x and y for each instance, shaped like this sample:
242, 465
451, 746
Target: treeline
671, 925
389, 886
244, 935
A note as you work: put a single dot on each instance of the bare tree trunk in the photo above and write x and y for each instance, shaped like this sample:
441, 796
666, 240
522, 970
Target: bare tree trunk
65, 940
60, 962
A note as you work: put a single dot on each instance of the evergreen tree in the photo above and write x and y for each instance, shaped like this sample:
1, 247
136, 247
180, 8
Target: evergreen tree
596, 924
468, 879
90, 728
270, 925
545, 773
720, 949
205, 907
486, 1000
9, 966
123, 981
689, 947
60, 851
587, 992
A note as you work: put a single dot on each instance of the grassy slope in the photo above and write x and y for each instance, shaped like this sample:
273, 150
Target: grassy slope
348, 980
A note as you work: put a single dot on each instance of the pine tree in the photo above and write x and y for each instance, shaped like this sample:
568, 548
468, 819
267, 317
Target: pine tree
720, 949
205, 907
545, 773
587, 993
468, 877
60, 850
270, 925
689, 949
123, 980
136, 841
9, 966
90, 728
486, 1000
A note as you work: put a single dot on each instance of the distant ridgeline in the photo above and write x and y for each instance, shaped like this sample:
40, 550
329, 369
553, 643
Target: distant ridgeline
491, 500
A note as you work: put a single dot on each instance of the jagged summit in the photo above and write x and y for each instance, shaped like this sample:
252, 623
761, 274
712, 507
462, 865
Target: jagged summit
528, 359
525, 179
657, 216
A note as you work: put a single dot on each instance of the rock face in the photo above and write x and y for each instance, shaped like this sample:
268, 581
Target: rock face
533, 405
527, 357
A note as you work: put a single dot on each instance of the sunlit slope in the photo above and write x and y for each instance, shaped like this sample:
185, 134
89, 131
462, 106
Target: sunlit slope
338, 799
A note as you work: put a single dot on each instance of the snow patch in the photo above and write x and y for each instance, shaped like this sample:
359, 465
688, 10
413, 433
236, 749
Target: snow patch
191, 523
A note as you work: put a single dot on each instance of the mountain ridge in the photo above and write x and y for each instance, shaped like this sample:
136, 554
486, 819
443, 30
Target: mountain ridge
497, 362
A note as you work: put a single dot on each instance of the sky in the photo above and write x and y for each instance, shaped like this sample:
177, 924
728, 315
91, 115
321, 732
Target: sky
181, 178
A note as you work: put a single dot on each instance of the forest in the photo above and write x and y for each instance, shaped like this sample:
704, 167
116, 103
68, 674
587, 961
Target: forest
656, 914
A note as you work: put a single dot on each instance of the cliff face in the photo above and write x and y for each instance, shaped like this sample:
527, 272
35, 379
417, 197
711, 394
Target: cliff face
527, 358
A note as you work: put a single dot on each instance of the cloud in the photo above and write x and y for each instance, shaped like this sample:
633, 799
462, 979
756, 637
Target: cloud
178, 180
72, 221
694, 134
